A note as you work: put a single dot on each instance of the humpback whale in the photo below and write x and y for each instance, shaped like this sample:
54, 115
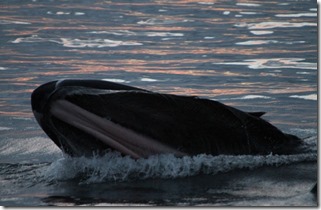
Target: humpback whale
90, 117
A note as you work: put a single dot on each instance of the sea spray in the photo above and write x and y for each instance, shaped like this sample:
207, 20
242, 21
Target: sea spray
114, 167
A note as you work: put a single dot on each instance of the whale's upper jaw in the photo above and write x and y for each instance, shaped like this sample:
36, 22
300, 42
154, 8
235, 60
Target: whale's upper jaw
79, 132
39, 98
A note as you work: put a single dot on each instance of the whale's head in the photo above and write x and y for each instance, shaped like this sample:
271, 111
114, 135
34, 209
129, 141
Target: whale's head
87, 117
64, 135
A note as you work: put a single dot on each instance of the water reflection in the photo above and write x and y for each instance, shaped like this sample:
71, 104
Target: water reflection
253, 55
270, 25
229, 50
276, 63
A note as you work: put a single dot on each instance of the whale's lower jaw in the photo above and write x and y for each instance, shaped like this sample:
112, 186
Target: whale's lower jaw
115, 136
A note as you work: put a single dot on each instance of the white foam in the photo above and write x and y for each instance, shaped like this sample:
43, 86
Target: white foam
260, 42
248, 4
148, 80
33, 39
226, 12
3, 22
248, 13
303, 72
132, 33
65, 13
297, 15
3, 68
95, 43
253, 97
115, 32
275, 63
77, 43
257, 42
313, 97
206, 3
114, 167
62, 13
5, 128
271, 24
116, 80
154, 21
163, 34
165, 39
261, 32
80, 13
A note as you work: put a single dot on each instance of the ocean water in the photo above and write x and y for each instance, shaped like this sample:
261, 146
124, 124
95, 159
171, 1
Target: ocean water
256, 56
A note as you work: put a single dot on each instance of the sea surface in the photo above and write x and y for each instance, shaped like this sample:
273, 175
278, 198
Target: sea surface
253, 55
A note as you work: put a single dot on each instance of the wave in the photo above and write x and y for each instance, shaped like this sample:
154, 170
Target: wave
313, 97
114, 167
76, 43
275, 63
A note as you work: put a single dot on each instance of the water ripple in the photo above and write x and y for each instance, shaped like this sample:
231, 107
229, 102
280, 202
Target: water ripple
77, 43
275, 63
270, 25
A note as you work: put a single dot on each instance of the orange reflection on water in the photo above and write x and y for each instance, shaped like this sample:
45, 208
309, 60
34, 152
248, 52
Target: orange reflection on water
22, 113
209, 92
24, 79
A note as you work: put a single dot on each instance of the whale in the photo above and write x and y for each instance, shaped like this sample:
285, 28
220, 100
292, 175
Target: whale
92, 117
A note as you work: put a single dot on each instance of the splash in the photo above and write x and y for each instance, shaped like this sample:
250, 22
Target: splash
114, 167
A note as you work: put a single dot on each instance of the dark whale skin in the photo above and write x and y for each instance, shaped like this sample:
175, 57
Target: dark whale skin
184, 125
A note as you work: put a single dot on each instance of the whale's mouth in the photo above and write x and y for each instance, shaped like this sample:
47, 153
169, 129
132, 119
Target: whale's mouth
88, 117
115, 136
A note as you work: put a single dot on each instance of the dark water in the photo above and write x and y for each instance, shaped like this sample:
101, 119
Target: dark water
256, 56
